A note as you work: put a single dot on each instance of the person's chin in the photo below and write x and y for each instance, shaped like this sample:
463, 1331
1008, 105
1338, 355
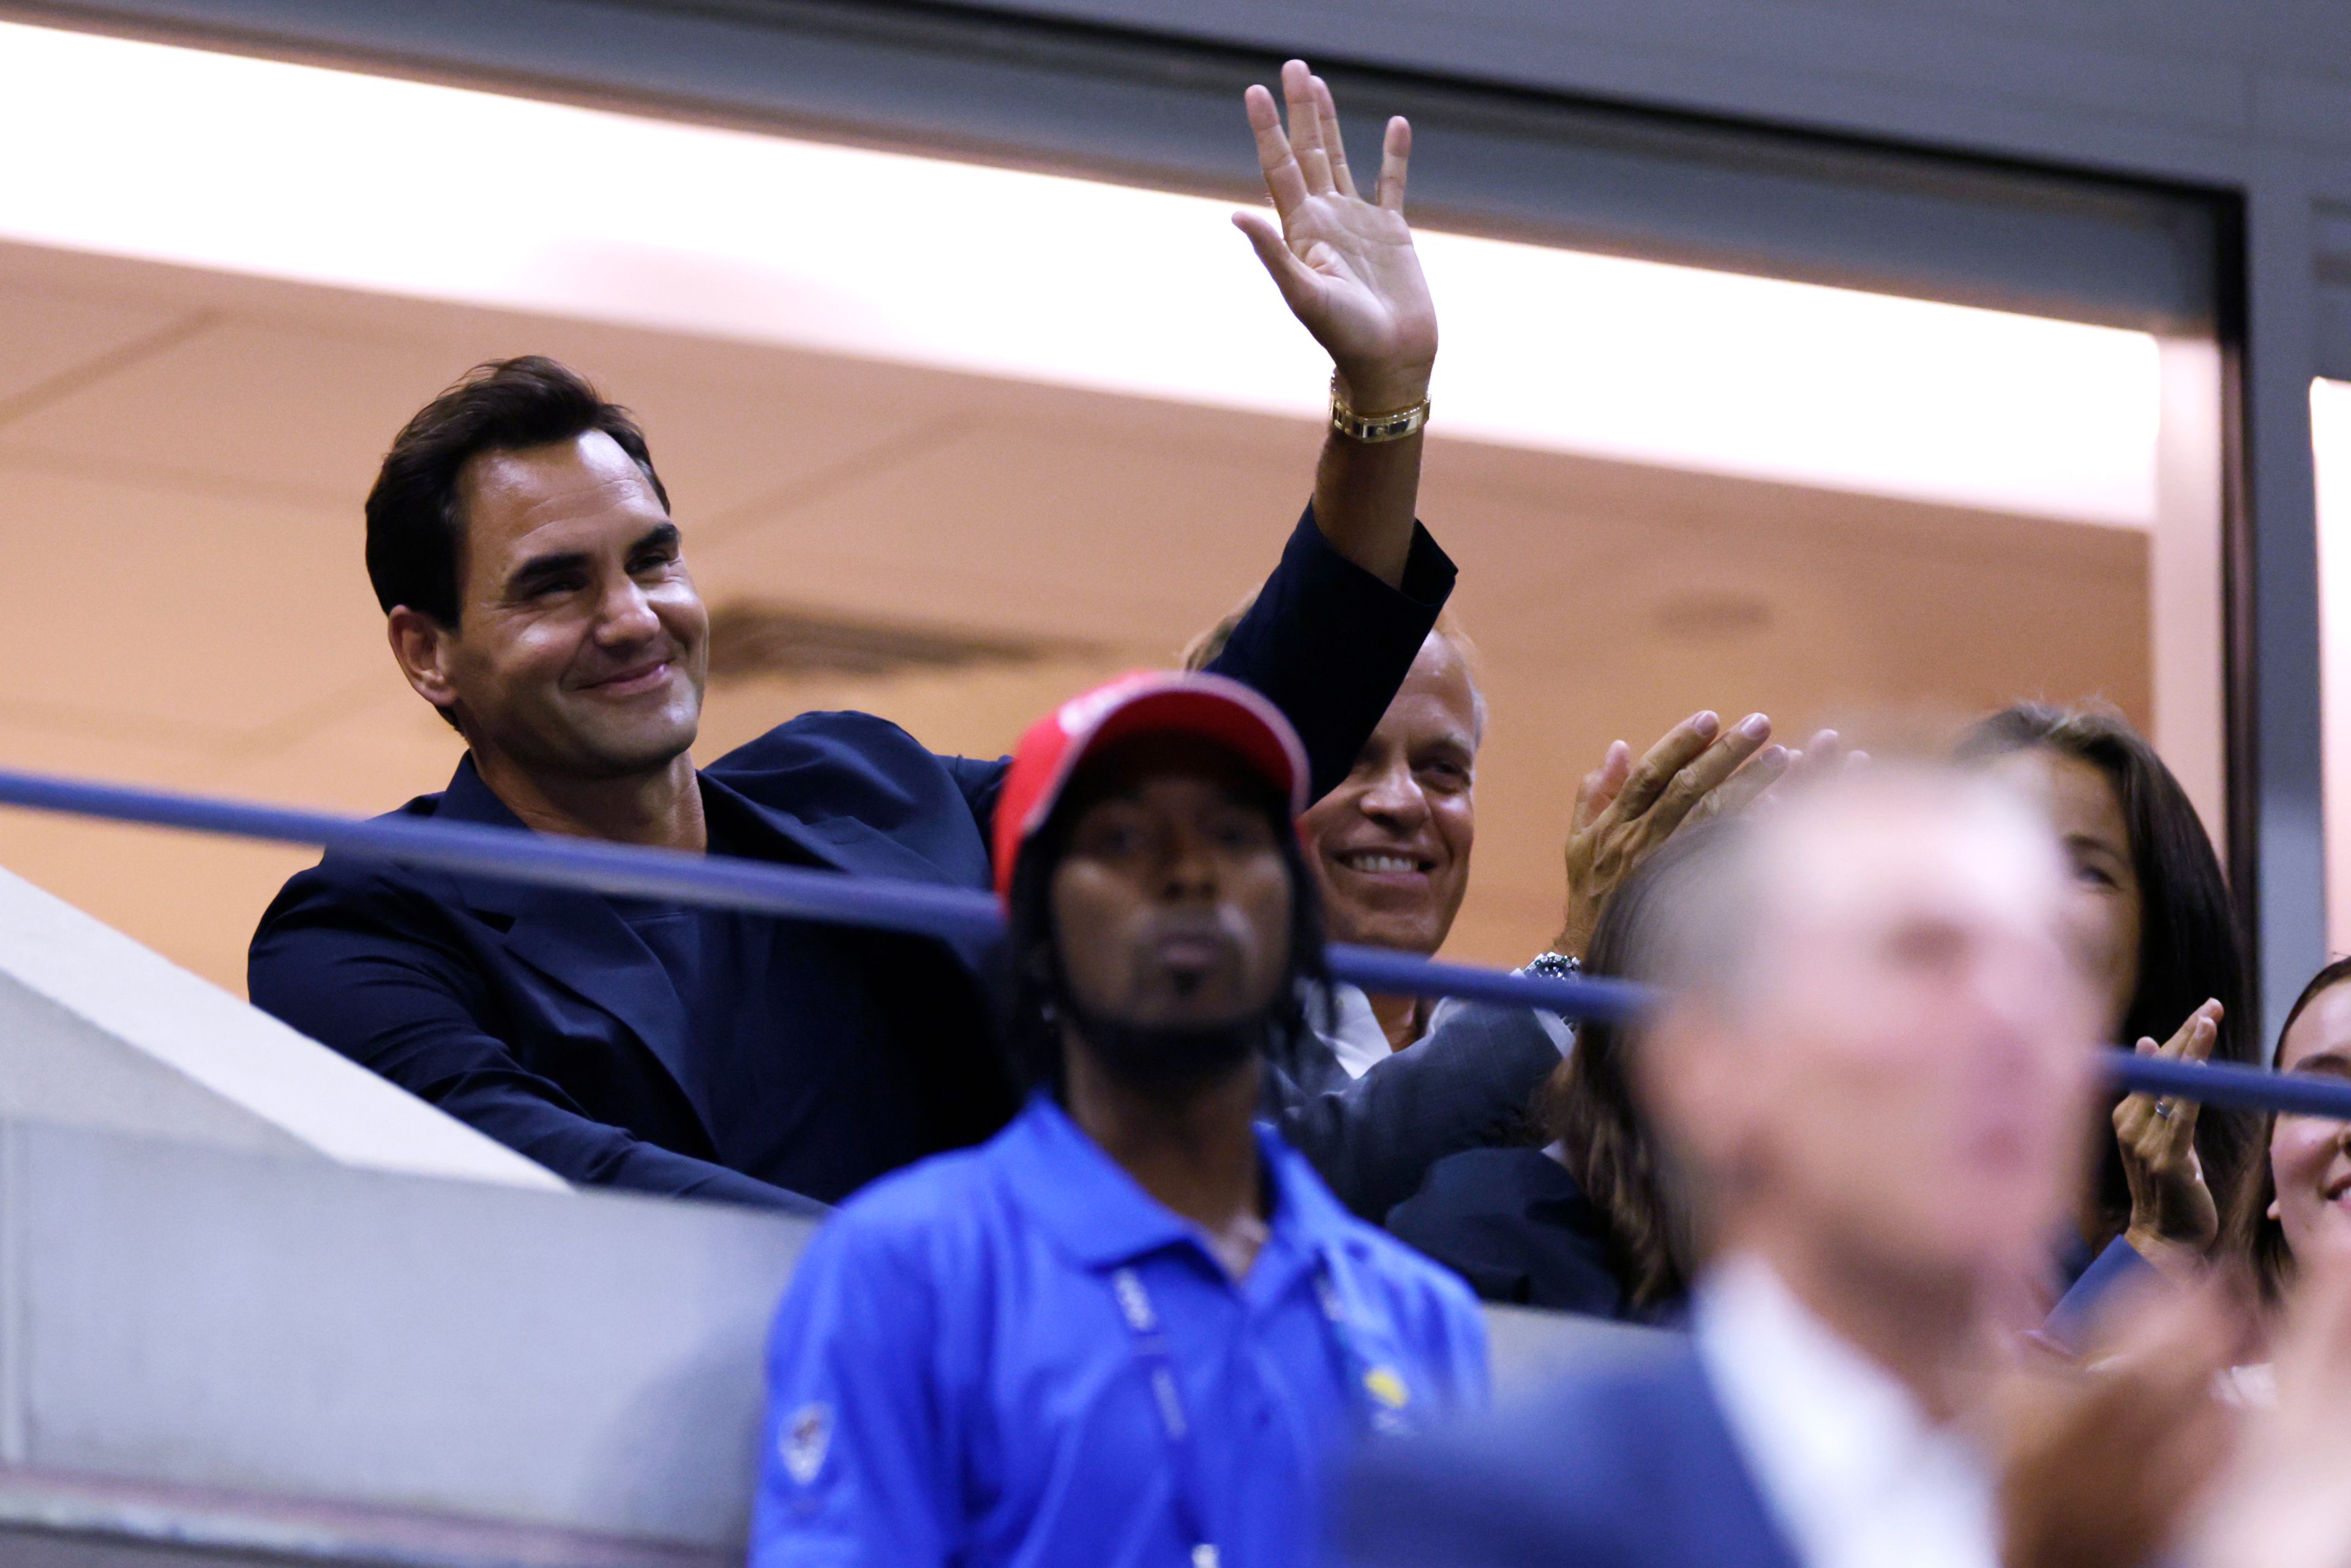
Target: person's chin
1401, 931
654, 741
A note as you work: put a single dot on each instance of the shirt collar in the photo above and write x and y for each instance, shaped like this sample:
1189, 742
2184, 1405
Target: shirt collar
1102, 1218
1355, 1037
1828, 1432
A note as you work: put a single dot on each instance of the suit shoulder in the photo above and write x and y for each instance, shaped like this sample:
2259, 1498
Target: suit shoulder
810, 739
1546, 1479
340, 881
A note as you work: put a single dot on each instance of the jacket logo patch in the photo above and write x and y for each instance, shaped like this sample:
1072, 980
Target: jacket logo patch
806, 1437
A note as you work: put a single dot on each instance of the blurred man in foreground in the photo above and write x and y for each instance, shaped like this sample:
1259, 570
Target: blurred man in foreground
536, 592
1872, 1055
1133, 1329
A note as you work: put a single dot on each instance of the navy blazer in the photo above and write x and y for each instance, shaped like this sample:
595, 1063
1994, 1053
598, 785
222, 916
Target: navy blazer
1517, 1226
540, 1016
1627, 1466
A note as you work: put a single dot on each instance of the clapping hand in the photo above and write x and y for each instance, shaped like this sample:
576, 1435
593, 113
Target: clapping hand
2173, 1219
1625, 810
1345, 265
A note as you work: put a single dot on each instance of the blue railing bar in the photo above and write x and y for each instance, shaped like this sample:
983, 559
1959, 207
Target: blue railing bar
1386, 972
954, 914
719, 882
2231, 1086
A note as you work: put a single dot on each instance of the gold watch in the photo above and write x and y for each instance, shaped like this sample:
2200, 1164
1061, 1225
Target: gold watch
1374, 427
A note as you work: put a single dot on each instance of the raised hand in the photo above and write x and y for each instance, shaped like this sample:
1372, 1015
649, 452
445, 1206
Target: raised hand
1345, 265
2173, 1219
1625, 810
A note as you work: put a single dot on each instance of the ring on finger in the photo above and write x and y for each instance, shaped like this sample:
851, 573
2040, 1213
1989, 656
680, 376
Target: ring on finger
2163, 1109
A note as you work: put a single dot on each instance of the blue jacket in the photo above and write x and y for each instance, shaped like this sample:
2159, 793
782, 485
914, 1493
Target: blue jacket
540, 1016
951, 1378
1628, 1465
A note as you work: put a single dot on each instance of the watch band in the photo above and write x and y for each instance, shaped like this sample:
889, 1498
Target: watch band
1554, 967
1375, 427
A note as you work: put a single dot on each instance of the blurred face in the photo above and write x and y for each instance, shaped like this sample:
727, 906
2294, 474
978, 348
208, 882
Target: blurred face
2310, 1158
1900, 1078
1391, 845
2102, 902
1172, 902
581, 645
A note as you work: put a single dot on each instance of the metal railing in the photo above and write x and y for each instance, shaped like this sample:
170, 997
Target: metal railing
960, 914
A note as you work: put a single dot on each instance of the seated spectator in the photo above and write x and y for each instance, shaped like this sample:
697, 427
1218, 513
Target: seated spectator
1390, 848
1391, 845
1584, 1223
1868, 1072
1131, 1328
2151, 904
536, 593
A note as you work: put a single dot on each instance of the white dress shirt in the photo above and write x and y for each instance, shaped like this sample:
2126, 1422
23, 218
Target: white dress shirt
1848, 1462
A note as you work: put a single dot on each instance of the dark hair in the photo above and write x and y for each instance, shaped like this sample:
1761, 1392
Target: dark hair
2191, 946
1588, 1104
2252, 1236
415, 523
1032, 1032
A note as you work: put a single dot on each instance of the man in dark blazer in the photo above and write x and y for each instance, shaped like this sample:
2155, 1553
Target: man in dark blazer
1871, 1069
536, 592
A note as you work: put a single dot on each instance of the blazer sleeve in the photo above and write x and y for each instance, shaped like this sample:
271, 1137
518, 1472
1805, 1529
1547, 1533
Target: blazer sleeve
1469, 1083
1330, 643
1326, 641
409, 1010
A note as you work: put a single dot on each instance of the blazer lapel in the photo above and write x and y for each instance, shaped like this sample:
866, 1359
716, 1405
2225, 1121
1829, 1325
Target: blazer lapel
578, 941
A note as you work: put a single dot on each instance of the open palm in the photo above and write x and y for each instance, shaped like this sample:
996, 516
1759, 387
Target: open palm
1346, 265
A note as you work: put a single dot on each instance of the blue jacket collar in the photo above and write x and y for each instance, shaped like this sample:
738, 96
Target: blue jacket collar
1101, 1218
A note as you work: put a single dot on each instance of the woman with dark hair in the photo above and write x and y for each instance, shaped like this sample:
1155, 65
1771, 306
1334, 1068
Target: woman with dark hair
2291, 1201
2154, 915
1585, 1224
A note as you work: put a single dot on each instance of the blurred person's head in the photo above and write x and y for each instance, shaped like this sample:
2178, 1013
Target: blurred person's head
1161, 916
1877, 1040
1588, 1105
521, 544
1390, 845
2297, 1200
2146, 895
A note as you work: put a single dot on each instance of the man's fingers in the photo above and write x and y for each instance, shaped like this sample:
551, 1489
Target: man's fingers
1283, 180
1396, 154
1601, 786
1717, 763
1301, 288
1674, 751
1335, 145
1741, 790
1306, 127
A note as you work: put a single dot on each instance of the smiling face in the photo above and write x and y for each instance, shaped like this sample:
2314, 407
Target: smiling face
581, 645
1391, 845
2310, 1157
1171, 902
2103, 904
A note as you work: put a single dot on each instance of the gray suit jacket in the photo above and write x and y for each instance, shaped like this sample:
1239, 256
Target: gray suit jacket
1468, 1082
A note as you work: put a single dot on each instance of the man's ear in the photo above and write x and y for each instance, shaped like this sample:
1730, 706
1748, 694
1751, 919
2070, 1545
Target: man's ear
422, 645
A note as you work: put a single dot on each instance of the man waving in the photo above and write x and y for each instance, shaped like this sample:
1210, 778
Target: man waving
536, 591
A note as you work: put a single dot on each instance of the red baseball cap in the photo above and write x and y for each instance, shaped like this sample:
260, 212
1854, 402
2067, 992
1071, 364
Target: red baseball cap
1149, 701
